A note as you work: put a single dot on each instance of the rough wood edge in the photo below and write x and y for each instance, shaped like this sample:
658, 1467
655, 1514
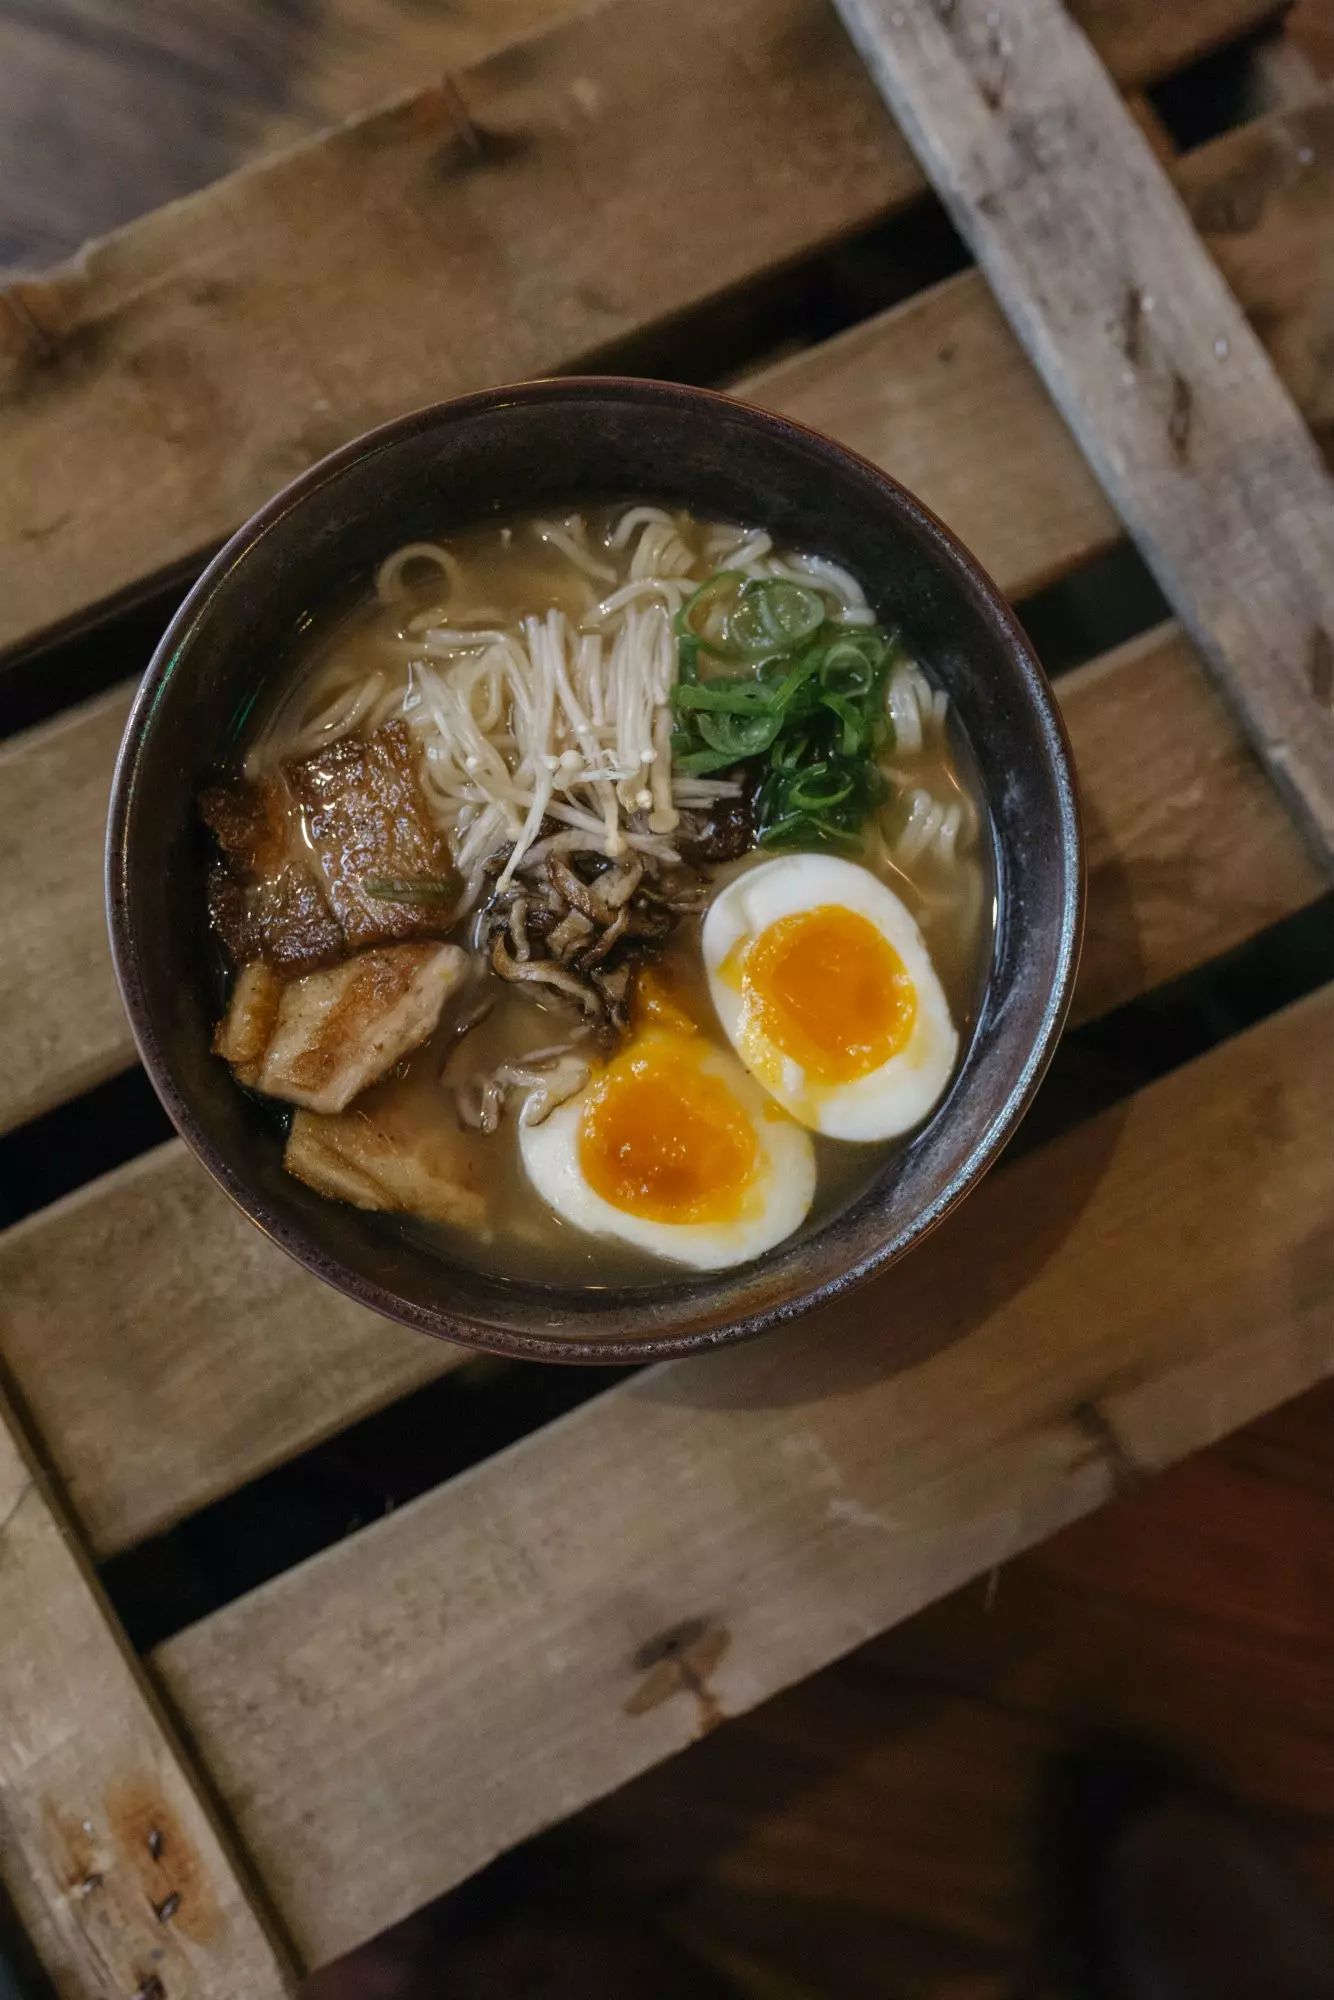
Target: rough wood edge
1142, 347
112, 1853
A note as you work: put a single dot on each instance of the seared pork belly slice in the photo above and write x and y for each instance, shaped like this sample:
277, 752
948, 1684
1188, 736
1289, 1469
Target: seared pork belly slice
265, 898
375, 1161
371, 831
339, 1030
246, 1029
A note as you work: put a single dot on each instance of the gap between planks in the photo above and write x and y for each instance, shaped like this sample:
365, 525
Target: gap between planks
937, 390
157, 388
537, 1632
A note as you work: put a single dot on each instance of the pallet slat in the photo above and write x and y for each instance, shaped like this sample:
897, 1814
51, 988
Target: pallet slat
534, 1634
1189, 851
122, 1307
939, 391
62, 1026
159, 386
115, 1865
1142, 346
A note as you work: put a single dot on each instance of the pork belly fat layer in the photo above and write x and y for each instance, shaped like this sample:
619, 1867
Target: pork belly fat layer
364, 1159
338, 1031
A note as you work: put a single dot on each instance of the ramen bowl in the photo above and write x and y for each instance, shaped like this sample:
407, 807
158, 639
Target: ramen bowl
552, 446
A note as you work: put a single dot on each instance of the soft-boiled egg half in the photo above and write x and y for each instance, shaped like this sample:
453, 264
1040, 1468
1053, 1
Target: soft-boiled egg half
828, 995
673, 1148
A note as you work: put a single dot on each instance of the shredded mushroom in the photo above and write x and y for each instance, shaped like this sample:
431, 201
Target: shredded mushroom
549, 1076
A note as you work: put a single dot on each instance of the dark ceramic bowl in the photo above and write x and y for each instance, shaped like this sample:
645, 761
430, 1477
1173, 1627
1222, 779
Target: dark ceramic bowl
539, 446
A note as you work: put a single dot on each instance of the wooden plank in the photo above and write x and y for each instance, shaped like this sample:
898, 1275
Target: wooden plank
154, 390
1143, 347
114, 1862
880, 1814
62, 1026
122, 1307
1141, 42
1189, 851
1277, 170
510, 1647
939, 391
115, 106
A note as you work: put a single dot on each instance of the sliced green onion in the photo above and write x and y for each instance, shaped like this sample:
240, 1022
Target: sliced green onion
775, 617
727, 697
706, 616
742, 736
702, 763
418, 889
767, 679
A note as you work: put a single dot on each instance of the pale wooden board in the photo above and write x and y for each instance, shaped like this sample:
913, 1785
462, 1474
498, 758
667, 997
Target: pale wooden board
169, 1351
1143, 347
122, 1308
509, 222
115, 1865
1189, 850
938, 391
62, 1026
535, 1633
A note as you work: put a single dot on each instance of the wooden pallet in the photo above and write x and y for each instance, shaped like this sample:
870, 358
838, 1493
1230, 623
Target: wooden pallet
373, 1726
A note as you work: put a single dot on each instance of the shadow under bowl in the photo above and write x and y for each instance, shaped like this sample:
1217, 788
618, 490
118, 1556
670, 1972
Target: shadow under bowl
533, 448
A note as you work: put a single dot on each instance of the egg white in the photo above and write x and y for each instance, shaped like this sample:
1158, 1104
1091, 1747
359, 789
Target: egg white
776, 1202
886, 1101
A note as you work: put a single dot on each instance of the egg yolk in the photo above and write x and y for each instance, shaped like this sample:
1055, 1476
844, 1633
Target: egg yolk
655, 1004
828, 989
663, 1138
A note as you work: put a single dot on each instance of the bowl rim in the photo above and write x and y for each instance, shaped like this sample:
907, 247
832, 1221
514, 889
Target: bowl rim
514, 1341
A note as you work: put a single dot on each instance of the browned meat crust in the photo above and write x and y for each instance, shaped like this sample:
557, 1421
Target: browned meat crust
246, 1029
264, 899
303, 902
368, 822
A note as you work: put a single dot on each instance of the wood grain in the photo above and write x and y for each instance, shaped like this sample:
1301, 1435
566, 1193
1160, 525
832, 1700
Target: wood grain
115, 106
1100, 1308
114, 1863
1143, 347
112, 107
869, 1833
62, 1026
122, 1307
1189, 850
938, 391
154, 390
